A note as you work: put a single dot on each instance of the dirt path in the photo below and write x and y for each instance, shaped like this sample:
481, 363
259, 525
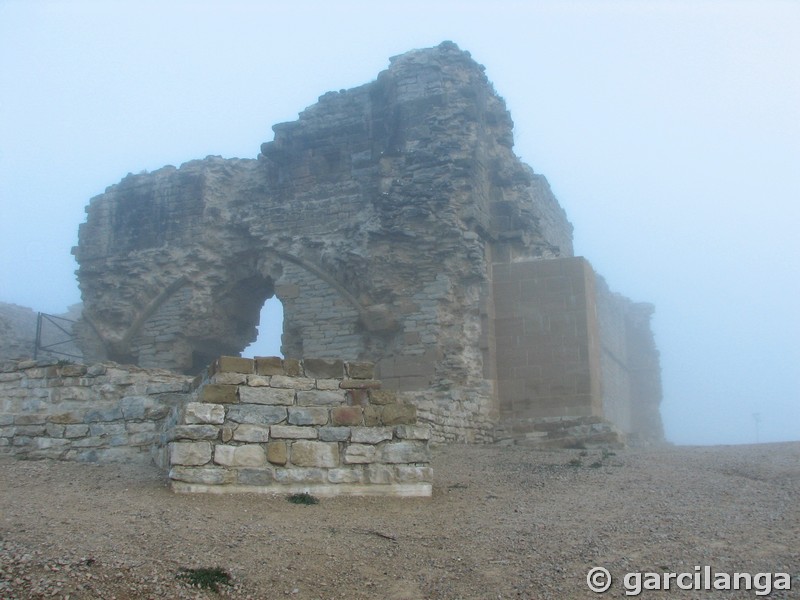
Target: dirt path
503, 523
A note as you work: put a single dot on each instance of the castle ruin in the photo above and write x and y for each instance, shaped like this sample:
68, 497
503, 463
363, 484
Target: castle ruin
396, 225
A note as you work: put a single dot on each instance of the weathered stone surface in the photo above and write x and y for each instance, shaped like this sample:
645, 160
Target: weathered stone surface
319, 368
233, 364
217, 393
269, 365
256, 414
190, 453
257, 381
411, 474
406, 452
200, 412
413, 432
328, 384
372, 416
379, 474
293, 367
251, 433
277, 452
334, 434
205, 475
292, 432
320, 398
370, 435
382, 397
360, 384
256, 476
347, 415
143, 407
352, 475
360, 453
249, 455
266, 395
361, 370
294, 383
399, 414
309, 416
229, 378
196, 432
300, 475
314, 454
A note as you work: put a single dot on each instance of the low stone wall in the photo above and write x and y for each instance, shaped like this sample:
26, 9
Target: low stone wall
325, 427
99, 413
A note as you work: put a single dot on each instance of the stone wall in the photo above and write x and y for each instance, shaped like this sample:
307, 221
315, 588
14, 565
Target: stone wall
319, 426
99, 413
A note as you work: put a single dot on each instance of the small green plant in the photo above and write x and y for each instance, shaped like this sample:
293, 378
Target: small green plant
575, 462
608, 453
207, 578
583, 453
596, 465
303, 498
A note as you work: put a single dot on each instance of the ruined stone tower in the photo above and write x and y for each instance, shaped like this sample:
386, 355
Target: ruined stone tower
395, 224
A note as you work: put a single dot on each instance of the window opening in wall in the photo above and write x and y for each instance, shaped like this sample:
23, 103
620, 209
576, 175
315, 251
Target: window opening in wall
270, 328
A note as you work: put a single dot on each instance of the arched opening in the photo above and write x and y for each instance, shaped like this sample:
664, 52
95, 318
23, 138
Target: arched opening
270, 329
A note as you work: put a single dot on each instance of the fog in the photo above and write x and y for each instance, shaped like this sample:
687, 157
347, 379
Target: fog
669, 131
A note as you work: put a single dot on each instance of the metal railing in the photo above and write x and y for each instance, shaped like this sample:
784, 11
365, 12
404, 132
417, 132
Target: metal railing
63, 331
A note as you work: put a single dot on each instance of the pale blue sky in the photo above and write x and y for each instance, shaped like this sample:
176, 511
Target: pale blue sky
670, 132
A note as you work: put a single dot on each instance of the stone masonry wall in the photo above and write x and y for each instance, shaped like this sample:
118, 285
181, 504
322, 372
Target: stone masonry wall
99, 413
268, 425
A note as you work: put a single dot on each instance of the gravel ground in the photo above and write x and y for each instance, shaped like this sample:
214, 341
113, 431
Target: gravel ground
504, 522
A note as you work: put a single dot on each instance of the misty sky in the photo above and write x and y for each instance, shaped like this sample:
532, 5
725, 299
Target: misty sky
669, 131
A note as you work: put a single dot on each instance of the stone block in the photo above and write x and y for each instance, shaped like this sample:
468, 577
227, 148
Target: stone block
257, 414
360, 384
227, 433
277, 453
292, 367
45, 443
360, 454
308, 416
315, 454
53, 430
229, 378
75, 431
266, 395
406, 452
30, 419
190, 453
218, 393
372, 416
251, 433
252, 476
347, 415
73, 370
199, 412
294, 383
412, 474
370, 435
320, 368
101, 428
300, 475
379, 474
382, 397
257, 381
195, 432
357, 397
293, 433
320, 398
399, 414
249, 455
70, 417
334, 434
7, 419
413, 432
268, 365
360, 370
346, 476
202, 475
328, 384
233, 364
